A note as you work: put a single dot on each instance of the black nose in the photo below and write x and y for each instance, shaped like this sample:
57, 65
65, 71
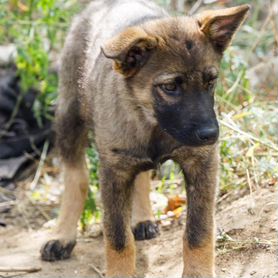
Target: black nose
207, 134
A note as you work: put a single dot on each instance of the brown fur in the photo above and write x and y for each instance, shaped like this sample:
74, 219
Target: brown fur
143, 84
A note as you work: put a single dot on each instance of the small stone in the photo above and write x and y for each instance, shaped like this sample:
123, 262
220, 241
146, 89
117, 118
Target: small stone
170, 214
166, 223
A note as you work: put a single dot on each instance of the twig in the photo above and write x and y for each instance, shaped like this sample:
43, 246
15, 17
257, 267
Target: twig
240, 87
250, 136
265, 154
236, 83
220, 98
249, 182
262, 30
22, 212
266, 205
275, 31
6, 191
229, 246
7, 204
14, 113
20, 269
195, 7
41, 163
248, 241
36, 23
224, 197
254, 171
252, 201
42, 212
173, 5
96, 270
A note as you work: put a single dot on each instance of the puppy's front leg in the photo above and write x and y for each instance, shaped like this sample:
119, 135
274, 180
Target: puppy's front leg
199, 242
117, 189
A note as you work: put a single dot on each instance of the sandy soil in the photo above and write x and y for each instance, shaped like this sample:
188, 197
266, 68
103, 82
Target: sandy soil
247, 245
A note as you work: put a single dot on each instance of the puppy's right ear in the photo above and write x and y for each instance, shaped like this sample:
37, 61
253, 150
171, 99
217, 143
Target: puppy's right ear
130, 50
220, 25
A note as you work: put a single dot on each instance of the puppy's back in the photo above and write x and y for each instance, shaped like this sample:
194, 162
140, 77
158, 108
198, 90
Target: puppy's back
100, 21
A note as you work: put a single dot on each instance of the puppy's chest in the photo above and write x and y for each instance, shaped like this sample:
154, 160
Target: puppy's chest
161, 146
147, 156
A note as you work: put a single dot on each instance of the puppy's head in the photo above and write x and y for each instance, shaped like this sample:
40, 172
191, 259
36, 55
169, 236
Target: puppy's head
171, 66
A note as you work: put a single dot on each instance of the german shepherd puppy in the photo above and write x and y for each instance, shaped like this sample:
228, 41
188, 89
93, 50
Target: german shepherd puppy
143, 82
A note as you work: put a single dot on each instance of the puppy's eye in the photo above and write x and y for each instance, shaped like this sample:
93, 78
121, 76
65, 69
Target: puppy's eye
212, 81
169, 88
210, 76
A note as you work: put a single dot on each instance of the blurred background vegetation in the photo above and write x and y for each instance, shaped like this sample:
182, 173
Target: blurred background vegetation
246, 93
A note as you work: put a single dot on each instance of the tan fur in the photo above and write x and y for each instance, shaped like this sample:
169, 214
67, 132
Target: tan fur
211, 22
63, 237
141, 206
121, 264
130, 37
76, 187
199, 262
208, 18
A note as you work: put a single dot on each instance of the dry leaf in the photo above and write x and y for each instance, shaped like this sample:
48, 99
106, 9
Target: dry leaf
175, 202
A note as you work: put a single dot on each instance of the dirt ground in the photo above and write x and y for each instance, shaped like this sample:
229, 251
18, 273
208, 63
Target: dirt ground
246, 246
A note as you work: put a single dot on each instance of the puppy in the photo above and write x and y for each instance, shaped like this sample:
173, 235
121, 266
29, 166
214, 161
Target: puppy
142, 83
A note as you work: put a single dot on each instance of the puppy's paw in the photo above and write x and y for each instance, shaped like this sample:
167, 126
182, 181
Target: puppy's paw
145, 230
54, 250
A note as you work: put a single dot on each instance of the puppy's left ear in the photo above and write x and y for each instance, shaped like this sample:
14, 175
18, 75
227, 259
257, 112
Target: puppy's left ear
220, 25
130, 50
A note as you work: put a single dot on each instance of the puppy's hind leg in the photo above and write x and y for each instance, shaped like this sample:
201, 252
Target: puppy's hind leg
143, 222
71, 125
72, 148
63, 239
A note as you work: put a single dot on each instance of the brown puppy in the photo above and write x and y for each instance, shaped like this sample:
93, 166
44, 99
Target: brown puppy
143, 83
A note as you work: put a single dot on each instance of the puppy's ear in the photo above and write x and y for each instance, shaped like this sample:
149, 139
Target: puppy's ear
220, 25
130, 50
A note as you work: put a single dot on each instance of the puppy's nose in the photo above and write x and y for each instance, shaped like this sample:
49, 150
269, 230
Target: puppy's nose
207, 134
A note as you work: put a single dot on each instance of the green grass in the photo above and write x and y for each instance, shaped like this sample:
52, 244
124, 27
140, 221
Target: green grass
91, 213
38, 28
